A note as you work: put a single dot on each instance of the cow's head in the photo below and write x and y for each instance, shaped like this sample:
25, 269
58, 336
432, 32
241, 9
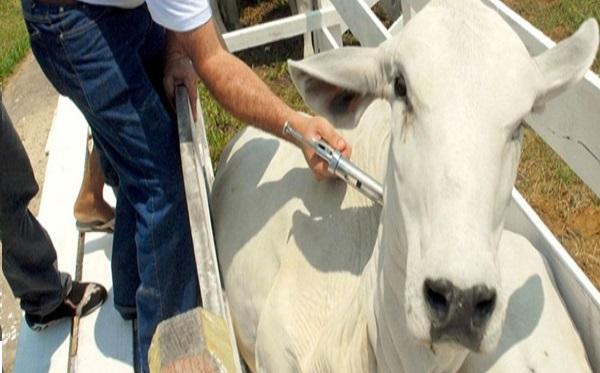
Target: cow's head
459, 82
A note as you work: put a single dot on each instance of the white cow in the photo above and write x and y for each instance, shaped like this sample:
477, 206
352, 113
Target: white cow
538, 334
319, 278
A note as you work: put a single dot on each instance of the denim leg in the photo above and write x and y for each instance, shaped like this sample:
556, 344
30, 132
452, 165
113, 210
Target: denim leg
95, 56
124, 260
28, 256
108, 171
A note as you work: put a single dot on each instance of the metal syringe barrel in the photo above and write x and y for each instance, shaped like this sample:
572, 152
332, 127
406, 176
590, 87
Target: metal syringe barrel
341, 166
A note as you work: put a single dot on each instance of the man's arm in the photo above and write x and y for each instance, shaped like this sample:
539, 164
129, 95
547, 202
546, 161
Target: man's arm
246, 96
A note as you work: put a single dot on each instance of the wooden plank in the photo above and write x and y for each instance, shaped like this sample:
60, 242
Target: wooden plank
579, 294
363, 23
197, 174
570, 124
194, 342
202, 151
197, 197
48, 351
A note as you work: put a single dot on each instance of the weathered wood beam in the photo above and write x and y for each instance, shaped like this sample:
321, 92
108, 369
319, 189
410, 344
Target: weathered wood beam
194, 342
198, 176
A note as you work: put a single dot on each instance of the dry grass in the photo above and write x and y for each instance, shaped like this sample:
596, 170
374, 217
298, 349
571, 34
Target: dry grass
563, 201
569, 208
558, 18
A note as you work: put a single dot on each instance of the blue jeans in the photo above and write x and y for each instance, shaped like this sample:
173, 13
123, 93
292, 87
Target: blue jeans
109, 62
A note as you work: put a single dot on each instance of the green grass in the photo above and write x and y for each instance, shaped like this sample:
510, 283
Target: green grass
222, 126
558, 18
14, 41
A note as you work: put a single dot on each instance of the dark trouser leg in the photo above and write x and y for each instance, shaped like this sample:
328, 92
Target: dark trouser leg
28, 257
99, 57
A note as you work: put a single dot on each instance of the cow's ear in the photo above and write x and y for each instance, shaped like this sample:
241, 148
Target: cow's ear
566, 63
339, 84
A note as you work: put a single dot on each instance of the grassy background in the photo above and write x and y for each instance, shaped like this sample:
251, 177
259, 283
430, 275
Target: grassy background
14, 42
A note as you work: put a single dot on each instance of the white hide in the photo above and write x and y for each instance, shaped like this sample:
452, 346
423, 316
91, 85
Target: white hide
538, 335
320, 279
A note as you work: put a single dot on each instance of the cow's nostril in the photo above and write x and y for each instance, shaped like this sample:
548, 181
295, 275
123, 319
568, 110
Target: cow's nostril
436, 300
437, 296
485, 302
458, 315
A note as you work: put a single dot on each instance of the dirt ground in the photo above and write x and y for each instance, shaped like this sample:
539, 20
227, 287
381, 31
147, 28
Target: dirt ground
30, 101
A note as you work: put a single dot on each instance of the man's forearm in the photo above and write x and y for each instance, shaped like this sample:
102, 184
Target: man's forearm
235, 86
245, 95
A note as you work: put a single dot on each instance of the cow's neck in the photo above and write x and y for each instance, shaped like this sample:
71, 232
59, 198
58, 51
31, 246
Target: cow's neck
383, 289
370, 333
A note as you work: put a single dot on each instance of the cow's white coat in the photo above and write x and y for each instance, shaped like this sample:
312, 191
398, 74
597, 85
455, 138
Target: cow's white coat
319, 278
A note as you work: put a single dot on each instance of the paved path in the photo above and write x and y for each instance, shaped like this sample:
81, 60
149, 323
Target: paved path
30, 101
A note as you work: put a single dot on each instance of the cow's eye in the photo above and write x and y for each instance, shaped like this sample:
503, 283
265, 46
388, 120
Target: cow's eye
400, 87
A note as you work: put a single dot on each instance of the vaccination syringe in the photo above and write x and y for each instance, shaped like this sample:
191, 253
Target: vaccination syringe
341, 166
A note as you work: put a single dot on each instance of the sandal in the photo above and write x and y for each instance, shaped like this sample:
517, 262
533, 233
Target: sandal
96, 226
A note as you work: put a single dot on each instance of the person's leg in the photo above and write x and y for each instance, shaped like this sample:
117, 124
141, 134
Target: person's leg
28, 257
91, 210
110, 176
92, 55
124, 259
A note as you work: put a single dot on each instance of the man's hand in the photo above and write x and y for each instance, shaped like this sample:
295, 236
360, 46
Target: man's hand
319, 128
179, 70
